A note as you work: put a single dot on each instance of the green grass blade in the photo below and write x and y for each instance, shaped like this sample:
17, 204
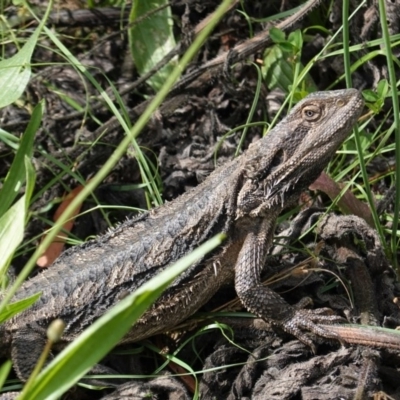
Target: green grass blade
9, 139
77, 359
30, 182
12, 222
16, 176
17, 307
4, 371
396, 111
357, 136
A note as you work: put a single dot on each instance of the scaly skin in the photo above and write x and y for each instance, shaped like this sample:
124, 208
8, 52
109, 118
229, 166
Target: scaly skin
242, 198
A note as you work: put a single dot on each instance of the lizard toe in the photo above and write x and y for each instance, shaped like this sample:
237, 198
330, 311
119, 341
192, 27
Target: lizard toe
304, 322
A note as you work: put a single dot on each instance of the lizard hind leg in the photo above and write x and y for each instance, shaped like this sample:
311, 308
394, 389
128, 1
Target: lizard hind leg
26, 348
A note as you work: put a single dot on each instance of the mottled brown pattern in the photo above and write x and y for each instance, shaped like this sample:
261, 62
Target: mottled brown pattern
242, 198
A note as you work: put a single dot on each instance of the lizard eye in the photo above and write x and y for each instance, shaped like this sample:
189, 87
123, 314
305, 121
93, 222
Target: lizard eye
340, 102
311, 113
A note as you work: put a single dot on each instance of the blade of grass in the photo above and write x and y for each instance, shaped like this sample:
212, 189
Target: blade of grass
396, 116
357, 138
17, 307
253, 109
15, 178
4, 371
12, 222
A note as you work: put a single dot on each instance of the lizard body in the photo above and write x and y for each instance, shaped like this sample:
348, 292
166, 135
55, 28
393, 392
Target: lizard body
242, 198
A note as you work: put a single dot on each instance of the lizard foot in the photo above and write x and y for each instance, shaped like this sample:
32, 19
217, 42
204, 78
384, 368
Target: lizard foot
304, 321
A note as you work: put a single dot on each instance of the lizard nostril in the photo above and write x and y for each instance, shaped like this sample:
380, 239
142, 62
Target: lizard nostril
278, 159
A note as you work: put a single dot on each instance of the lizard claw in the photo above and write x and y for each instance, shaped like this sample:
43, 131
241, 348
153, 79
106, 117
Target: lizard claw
304, 321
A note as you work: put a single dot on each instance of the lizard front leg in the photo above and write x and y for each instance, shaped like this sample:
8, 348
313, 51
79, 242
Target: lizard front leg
264, 302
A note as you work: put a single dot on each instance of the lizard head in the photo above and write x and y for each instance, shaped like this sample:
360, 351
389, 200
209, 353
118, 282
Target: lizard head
321, 122
294, 153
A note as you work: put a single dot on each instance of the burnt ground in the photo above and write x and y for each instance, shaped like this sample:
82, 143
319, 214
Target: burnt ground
182, 142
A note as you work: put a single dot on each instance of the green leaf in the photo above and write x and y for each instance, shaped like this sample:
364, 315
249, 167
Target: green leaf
15, 178
15, 72
370, 95
287, 46
279, 69
12, 225
80, 355
383, 88
296, 39
151, 38
376, 100
277, 35
17, 307
277, 72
